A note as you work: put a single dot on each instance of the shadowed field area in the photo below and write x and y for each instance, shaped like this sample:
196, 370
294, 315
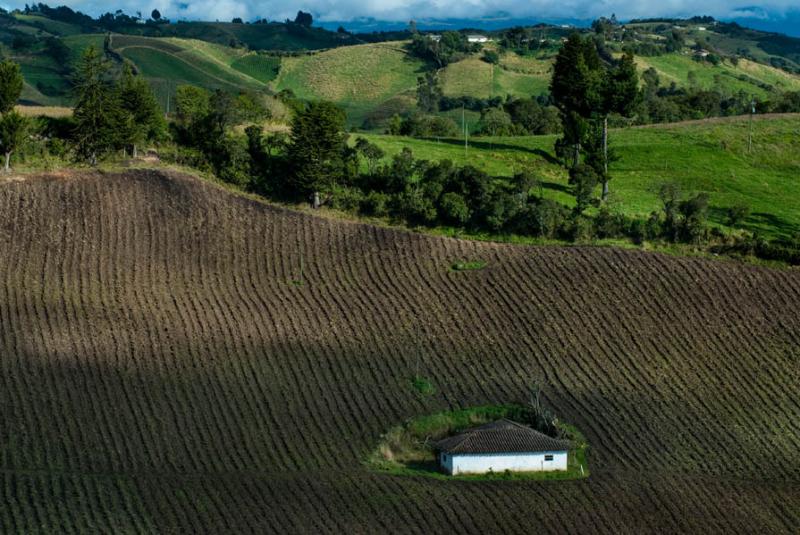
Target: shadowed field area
163, 368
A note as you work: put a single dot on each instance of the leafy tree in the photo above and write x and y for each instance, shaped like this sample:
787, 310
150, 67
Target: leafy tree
670, 196
97, 113
137, 99
496, 122
237, 20
400, 173
191, 104
695, 213
429, 93
517, 37
583, 179
737, 213
155, 15
454, 208
14, 130
533, 118
395, 125
524, 181
56, 49
449, 47
249, 106
620, 95
10, 85
491, 57
304, 19
371, 152
316, 149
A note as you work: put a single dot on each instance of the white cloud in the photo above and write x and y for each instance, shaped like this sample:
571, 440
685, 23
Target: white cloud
426, 9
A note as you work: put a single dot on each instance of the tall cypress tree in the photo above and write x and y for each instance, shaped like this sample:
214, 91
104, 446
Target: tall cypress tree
10, 85
13, 126
136, 99
14, 129
576, 87
620, 95
97, 113
316, 150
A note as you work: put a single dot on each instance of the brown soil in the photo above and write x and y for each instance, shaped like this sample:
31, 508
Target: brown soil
161, 371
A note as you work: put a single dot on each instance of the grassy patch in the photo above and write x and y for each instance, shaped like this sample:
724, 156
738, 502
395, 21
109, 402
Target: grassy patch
468, 265
709, 156
408, 449
423, 386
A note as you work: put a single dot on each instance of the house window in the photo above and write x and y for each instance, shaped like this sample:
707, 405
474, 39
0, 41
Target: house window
548, 457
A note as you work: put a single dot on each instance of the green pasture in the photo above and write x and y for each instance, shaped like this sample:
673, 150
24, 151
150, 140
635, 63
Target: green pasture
705, 156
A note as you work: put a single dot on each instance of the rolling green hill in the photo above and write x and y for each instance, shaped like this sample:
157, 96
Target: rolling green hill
748, 76
708, 156
370, 81
363, 79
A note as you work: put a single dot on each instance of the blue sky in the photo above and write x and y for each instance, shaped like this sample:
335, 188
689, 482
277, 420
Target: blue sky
775, 14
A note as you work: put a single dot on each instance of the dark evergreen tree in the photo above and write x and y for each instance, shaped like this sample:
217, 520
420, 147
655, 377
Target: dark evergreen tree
14, 129
316, 150
304, 19
429, 93
583, 179
576, 89
10, 85
137, 99
620, 95
98, 116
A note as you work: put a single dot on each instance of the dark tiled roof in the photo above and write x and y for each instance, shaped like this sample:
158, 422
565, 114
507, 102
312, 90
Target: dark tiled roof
502, 436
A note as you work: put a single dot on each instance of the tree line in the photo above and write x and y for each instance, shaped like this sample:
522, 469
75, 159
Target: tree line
317, 162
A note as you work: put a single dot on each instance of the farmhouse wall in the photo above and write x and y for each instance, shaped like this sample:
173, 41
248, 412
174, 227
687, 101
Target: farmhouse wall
478, 463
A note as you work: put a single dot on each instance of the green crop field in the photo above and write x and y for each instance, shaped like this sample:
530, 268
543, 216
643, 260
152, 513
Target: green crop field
186, 61
708, 156
514, 76
358, 78
747, 76
262, 68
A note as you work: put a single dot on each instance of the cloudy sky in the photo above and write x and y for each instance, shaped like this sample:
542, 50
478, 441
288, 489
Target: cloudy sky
403, 10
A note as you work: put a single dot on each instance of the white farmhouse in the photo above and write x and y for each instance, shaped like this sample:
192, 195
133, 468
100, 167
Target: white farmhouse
476, 38
500, 446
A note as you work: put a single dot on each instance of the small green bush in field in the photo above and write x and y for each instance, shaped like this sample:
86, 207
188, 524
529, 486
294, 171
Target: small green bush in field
468, 265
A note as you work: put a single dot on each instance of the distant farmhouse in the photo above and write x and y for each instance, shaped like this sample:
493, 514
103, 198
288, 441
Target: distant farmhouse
500, 446
477, 38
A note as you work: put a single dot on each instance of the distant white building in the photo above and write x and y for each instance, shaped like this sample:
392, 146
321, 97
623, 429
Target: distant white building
434, 37
476, 38
500, 446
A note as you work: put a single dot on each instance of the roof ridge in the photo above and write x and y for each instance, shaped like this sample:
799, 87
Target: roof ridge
500, 435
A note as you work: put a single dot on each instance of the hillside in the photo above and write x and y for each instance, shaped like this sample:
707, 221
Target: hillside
162, 372
378, 79
370, 81
709, 155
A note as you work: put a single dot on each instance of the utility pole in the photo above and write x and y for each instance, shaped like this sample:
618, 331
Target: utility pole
750, 131
464, 129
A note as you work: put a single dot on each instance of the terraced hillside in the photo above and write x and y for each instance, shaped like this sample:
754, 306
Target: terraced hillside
164, 370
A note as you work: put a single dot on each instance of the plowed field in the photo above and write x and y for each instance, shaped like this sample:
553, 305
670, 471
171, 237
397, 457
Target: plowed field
161, 371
